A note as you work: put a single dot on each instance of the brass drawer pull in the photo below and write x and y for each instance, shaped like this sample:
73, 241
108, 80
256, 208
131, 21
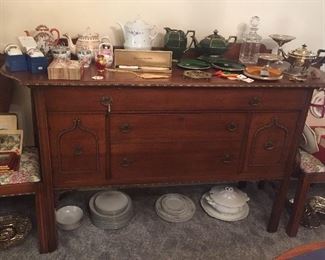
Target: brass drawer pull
125, 128
227, 158
255, 101
78, 150
107, 102
232, 127
269, 145
126, 162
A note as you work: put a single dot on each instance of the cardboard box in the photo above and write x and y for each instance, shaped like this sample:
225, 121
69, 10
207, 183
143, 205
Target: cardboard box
16, 63
143, 60
70, 70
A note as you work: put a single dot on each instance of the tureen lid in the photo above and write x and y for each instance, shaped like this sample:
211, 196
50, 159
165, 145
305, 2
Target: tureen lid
302, 52
88, 34
137, 23
228, 196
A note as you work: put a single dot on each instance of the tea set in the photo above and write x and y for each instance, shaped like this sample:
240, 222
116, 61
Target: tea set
139, 35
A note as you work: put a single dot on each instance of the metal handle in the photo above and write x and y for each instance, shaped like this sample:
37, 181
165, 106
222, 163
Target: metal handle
227, 158
107, 102
255, 101
232, 127
125, 128
126, 162
77, 150
269, 145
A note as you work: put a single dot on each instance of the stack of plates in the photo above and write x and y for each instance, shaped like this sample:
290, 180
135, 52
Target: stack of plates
175, 207
110, 209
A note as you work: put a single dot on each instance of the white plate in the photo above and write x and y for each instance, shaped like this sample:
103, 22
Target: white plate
174, 207
318, 99
225, 217
111, 202
311, 145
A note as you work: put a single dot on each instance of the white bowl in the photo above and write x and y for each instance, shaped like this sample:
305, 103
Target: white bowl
69, 217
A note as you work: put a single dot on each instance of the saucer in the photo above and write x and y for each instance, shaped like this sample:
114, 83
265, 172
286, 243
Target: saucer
174, 207
193, 64
222, 216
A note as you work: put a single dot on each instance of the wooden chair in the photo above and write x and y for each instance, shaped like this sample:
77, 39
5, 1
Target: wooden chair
311, 170
27, 181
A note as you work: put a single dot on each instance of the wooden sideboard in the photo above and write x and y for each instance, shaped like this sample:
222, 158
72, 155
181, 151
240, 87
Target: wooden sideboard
124, 130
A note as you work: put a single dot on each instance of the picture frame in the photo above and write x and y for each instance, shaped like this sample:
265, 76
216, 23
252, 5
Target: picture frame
11, 141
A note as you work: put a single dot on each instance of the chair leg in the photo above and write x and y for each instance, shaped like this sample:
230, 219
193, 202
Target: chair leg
46, 229
278, 205
298, 206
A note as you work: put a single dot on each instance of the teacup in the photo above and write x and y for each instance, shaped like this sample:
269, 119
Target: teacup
85, 56
61, 52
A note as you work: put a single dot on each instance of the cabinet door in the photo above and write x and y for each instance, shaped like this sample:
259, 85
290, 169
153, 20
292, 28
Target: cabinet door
270, 141
78, 148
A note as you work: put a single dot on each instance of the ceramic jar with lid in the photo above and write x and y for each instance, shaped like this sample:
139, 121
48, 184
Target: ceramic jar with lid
87, 41
138, 34
215, 44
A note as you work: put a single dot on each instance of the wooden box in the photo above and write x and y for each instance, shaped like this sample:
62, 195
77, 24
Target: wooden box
71, 70
143, 60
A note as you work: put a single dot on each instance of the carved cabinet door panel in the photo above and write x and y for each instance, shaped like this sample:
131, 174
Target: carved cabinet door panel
269, 143
78, 148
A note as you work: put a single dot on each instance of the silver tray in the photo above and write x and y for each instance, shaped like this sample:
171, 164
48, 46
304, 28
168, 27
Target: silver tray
13, 230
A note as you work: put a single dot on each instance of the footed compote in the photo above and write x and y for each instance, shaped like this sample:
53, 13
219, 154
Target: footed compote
281, 39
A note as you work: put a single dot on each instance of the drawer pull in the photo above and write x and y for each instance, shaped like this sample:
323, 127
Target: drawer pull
78, 150
269, 145
125, 128
125, 162
107, 102
255, 101
232, 127
227, 158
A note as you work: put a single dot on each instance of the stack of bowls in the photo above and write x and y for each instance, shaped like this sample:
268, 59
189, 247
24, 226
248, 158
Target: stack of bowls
225, 203
110, 209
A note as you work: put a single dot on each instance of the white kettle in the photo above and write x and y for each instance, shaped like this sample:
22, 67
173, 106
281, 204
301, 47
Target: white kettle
138, 34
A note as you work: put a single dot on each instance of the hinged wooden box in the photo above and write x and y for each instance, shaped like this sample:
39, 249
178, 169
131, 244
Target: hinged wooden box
71, 70
143, 60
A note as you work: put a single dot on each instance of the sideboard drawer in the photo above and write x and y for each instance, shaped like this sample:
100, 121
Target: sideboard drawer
139, 128
173, 161
169, 99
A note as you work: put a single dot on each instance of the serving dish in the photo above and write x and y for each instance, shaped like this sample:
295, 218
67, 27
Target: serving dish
256, 72
223, 216
111, 202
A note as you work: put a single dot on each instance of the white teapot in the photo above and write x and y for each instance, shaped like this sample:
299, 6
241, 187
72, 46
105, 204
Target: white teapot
138, 34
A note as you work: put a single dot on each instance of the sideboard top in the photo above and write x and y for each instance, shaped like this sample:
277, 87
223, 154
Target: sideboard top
121, 79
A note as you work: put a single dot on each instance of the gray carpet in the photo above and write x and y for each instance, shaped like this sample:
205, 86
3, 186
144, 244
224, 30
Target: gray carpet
149, 237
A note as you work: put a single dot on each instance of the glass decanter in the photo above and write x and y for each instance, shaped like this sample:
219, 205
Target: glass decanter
250, 47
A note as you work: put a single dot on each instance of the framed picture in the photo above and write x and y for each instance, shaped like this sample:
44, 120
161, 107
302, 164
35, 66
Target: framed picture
11, 141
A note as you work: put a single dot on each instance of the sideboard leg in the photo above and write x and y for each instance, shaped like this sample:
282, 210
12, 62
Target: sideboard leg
47, 234
278, 205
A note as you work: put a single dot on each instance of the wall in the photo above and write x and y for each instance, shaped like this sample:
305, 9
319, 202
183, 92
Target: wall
304, 19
